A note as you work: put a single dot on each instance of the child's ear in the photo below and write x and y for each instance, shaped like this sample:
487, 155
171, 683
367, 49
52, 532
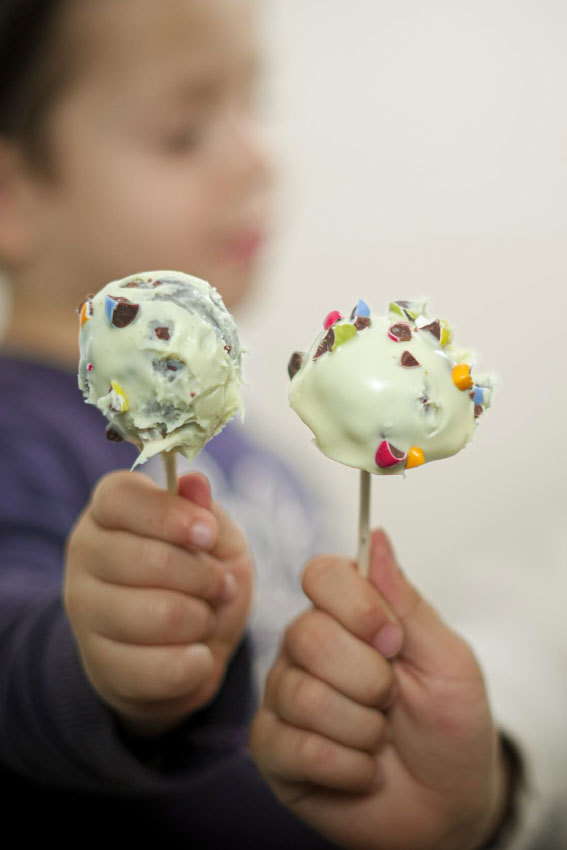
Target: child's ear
16, 218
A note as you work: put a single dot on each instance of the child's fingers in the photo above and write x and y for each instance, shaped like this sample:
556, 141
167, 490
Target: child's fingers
428, 642
146, 674
310, 704
296, 755
334, 586
146, 617
133, 503
195, 488
322, 647
135, 561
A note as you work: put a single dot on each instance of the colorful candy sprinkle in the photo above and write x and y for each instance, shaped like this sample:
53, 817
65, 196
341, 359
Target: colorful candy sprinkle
361, 309
86, 310
294, 364
415, 457
90, 367
478, 395
462, 376
407, 309
400, 332
331, 319
409, 360
342, 334
119, 398
388, 455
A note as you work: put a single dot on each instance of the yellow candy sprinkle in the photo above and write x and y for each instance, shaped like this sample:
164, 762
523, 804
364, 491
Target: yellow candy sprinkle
121, 395
446, 333
342, 334
415, 457
462, 376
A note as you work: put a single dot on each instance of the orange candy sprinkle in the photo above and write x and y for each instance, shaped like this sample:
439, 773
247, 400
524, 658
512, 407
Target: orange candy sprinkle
415, 457
462, 376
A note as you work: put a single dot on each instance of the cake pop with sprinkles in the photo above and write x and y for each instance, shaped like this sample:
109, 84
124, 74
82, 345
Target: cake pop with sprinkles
161, 358
388, 393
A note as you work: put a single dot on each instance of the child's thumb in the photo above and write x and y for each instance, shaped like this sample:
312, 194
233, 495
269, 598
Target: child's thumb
428, 643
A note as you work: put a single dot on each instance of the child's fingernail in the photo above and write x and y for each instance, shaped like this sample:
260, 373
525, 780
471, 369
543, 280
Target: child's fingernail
202, 535
230, 588
389, 640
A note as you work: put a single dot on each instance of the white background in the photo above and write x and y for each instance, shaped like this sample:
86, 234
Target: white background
424, 152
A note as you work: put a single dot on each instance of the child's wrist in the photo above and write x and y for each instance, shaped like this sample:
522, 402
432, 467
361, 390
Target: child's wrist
512, 781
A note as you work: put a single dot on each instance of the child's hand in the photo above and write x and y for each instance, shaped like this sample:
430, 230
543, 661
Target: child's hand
157, 589
379, 755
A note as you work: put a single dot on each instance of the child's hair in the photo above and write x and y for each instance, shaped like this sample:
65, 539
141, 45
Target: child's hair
32, 70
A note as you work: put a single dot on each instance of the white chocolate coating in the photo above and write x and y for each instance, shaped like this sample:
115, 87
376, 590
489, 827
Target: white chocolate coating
168, 379
357, 396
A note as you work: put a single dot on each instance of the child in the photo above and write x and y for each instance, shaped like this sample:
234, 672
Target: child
127, 144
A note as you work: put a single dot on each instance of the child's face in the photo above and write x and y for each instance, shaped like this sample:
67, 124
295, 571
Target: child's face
157, 160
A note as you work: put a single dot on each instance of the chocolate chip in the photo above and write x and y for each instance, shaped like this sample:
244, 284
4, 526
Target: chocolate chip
326, 344
113, 435
362, 322
162, 333
433, 328
228, 348
478, 410
124, 313
400, 332
294, 364
409, 360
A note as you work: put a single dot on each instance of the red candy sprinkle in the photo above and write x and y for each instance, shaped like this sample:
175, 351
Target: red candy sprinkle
400, 332
332, 319
388, 455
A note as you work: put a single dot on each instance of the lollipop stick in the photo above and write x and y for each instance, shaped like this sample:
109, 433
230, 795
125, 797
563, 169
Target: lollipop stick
364, 524
169, 462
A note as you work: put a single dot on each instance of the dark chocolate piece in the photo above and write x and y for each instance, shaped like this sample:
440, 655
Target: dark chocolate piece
409, 360
433, 328
478, 410
162, 333
88, 297
113, 435
362, 322
124, 313
294, 364
326, 344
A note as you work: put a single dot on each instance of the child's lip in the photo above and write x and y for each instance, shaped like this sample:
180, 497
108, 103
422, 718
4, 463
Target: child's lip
242, 246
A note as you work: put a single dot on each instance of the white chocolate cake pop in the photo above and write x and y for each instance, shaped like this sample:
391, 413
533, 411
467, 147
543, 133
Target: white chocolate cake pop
387, 393
161, 358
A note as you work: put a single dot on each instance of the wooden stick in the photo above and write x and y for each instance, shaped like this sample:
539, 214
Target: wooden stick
170, 464
364, 525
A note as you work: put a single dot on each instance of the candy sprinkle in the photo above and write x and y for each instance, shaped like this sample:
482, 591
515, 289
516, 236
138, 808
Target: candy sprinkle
388, 455
342, 334
400, 332
462, 376
361, 309
415, 457
331, 319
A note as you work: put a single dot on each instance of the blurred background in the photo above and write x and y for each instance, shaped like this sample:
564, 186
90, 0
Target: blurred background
423, 151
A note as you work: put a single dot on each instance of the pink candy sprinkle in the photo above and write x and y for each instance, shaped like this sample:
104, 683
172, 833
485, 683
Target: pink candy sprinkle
89, 367
332, 319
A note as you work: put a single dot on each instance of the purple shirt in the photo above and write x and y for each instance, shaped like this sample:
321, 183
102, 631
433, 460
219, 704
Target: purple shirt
62, 755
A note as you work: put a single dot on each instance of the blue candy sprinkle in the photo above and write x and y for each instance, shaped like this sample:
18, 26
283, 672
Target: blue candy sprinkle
362, 308
478, 395
109, 305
